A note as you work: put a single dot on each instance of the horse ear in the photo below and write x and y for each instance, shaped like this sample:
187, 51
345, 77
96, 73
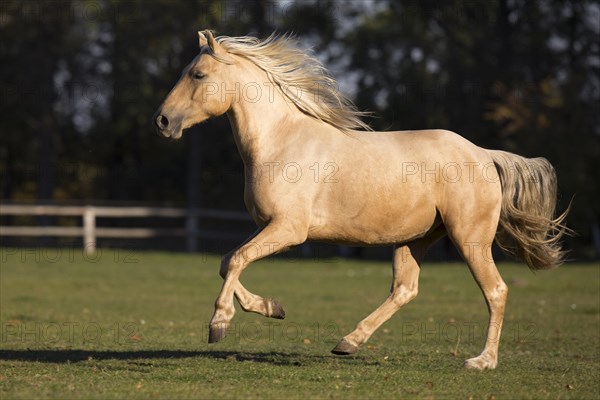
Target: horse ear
202, 39
207, 39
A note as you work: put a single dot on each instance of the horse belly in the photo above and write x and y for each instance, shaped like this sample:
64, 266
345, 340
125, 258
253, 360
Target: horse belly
373, 224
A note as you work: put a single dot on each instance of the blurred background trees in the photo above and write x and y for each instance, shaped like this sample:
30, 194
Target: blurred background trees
81, 79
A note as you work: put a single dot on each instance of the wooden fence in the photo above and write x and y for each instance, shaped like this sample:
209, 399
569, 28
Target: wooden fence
90, 232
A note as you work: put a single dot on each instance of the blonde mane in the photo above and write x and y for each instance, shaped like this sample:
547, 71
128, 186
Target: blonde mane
301, 78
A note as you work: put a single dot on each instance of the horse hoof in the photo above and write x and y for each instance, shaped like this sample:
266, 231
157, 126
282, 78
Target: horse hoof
344, 348
277, 310
217, 333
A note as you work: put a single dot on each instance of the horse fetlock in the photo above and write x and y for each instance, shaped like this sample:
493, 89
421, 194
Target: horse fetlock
481, 362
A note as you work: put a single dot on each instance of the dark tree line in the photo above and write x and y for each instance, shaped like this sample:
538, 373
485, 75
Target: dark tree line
81, 79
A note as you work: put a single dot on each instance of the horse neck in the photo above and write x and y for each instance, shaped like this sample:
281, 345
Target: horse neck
260, 127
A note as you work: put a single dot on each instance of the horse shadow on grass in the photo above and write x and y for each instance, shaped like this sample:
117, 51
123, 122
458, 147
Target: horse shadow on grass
76, 356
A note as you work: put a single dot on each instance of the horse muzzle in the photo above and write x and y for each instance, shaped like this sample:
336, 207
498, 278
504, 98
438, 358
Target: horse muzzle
166, 127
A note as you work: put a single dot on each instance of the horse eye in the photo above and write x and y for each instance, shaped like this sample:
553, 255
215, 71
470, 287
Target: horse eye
198, 75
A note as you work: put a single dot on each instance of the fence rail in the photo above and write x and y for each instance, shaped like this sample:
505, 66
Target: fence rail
90, 232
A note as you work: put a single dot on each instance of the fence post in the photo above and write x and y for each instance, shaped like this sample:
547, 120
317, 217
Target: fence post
89, 231
191, 230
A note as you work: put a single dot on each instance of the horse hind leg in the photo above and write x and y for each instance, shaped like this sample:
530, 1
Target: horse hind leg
405, 284
474, 242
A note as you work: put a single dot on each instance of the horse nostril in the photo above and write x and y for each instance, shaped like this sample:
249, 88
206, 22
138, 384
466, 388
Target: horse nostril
162, 122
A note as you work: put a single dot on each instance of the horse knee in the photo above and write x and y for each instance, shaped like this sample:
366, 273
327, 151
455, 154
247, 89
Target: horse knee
229, 263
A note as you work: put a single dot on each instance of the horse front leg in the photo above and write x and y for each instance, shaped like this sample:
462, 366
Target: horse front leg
249, 301
274, 238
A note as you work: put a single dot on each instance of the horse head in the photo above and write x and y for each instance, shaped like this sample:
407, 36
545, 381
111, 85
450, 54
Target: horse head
199, 94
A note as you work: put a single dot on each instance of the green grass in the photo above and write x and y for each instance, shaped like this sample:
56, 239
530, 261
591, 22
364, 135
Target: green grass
133, 325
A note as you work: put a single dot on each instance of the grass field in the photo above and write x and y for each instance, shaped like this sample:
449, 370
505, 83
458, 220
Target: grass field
133, 325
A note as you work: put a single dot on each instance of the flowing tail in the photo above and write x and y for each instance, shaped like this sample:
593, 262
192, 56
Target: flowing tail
527, 228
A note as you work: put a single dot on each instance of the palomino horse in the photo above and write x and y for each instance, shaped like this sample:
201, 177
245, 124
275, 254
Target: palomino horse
313, 171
